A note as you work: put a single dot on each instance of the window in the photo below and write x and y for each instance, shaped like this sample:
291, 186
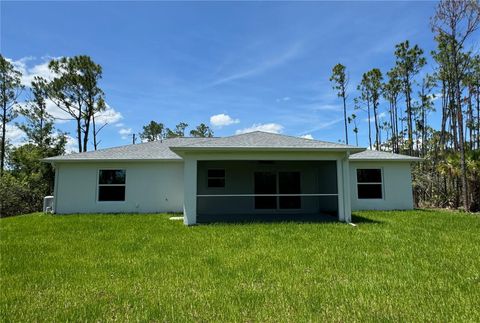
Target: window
216, 178
111, 185
369, 183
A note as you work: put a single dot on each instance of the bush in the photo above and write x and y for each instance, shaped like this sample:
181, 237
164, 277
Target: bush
19, 196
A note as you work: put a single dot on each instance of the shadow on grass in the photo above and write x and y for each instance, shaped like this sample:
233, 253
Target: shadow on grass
358, 219
266, 218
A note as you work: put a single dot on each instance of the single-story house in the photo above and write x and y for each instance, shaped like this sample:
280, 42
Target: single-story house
256, 174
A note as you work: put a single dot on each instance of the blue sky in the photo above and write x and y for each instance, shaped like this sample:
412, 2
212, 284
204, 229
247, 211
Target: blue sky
263, 65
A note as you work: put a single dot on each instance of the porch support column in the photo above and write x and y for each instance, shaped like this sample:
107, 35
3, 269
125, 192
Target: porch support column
343, 184
340, 191
190, 191
346, 189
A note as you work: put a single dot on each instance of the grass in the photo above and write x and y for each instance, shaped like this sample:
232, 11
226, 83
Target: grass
394, 266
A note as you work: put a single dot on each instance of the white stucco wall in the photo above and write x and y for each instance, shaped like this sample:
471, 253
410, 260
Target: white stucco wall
397, 186
151, 187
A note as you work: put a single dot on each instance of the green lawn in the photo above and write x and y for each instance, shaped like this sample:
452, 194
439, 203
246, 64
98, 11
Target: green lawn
394, 266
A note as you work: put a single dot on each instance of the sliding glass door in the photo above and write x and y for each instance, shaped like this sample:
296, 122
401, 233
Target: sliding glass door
276, 183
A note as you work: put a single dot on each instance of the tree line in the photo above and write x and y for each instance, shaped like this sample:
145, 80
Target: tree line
449, 176
156, 131
74, 89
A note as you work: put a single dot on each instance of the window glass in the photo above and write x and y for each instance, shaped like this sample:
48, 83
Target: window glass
216, 173
289, 183
370, 191
265, 183
111, 193
216, 178
369, 176
112, 176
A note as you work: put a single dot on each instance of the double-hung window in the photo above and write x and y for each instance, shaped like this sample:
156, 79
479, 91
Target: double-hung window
369, 183
111, 185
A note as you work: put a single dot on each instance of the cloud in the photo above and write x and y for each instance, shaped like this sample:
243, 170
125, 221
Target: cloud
220, 120
29, 72
72, 145
284, 99
265, 65
266, 127
109, 116
15, 136
125, 133
307, 136
379, 116
323, 125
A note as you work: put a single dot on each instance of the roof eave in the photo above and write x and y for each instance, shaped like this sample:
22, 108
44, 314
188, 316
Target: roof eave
282, 149
416, 160
83, 160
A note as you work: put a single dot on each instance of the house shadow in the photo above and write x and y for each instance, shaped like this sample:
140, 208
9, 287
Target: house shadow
266, 218
358, 219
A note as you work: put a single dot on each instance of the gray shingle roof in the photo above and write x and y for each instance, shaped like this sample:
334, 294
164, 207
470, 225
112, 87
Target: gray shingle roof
155, 150
381, 155
264, 140
165, 150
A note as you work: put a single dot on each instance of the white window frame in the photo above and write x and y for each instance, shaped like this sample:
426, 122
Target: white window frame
371, 183
98, 185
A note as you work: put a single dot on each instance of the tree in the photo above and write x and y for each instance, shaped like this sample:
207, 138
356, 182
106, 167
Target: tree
10, 89
38, 125
179, 130
75, 90
391, 92
373, 81
370, 91
454, 22
202, 131
353, 118
409, 61
340, 82
153, 131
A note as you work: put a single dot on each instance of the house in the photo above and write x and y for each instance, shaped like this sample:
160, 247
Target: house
255, 174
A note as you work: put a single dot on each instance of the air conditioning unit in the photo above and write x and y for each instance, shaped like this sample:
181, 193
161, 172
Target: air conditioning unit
48, 204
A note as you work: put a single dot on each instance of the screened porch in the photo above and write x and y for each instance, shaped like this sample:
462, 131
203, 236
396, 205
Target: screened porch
266, 190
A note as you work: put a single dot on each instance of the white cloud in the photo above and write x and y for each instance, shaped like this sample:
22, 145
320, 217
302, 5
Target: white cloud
284, 99
307, 136
380, 116
72, 145
109, 116
125, 132
266, 127
220, 120
15, 136
293, 51
29, 72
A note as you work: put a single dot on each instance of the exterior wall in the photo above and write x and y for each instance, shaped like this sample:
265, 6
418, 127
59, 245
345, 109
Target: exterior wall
316, 177
397, 186
150, 187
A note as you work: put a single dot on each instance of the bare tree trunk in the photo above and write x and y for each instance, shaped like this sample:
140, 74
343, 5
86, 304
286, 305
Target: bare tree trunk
4, 136
444, 116
369, 126
377, 135
345, 116
94, 133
